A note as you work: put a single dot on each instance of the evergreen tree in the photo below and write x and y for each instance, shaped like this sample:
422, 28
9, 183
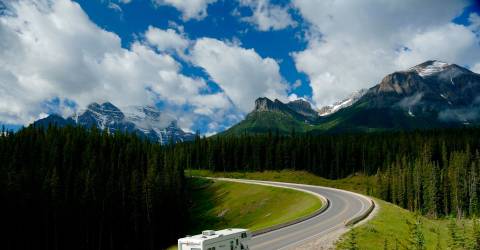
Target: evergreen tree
417, 239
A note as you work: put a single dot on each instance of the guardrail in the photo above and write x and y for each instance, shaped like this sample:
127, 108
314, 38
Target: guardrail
361, 217
286, 224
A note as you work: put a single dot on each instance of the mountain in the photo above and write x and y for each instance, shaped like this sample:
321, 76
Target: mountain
433, 94
347, 102
146, 122
274, 116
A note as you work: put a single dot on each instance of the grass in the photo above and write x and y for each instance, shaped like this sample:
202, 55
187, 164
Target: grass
222, 204
357, 183
390, 225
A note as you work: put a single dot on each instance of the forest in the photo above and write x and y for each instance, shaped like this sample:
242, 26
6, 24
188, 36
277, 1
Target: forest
76, 188
72, 188
435, 172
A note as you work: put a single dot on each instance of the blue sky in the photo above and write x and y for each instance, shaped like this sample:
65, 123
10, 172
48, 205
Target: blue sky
220, 23
204, 62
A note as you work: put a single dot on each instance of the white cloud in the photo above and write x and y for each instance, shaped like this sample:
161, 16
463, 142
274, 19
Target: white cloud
267, 16
241, 73
474, 20
125, 1
353, 44
476, 68
452, 42
165, 40
51, 50
114, 7
191, 9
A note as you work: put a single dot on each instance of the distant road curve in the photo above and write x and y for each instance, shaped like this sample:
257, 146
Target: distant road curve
320, 231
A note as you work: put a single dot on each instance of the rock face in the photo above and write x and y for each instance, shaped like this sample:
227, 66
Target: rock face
299, 109
304, 108
432, 87
146, 122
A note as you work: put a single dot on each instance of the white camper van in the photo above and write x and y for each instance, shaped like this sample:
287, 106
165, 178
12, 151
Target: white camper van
227, 239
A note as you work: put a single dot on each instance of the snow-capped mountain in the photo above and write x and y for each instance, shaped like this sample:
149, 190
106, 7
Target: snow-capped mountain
145, 121
429, 68
347, 102
432, 94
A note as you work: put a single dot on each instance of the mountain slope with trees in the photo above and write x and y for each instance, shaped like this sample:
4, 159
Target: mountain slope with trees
430, 95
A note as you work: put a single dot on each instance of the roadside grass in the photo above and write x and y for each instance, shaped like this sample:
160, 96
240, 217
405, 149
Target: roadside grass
218, 205
357, 183
222, 204
389, 227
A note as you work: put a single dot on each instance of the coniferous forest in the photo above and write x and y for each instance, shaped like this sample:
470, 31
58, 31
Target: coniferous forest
435, 172
73, 188
68, 188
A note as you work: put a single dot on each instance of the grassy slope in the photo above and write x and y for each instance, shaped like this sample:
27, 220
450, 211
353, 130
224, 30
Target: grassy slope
223, 204
390, 224
220, 204
263, 122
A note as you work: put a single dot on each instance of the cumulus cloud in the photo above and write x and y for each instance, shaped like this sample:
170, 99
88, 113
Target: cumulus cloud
352, 45
474, 20
241, 73
191, 9
50, 52
166, 40
476, 68
267, 16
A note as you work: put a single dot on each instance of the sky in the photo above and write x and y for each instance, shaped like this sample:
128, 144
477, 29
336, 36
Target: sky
205, 62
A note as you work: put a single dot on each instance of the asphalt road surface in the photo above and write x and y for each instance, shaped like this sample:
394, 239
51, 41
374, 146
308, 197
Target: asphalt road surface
344, 206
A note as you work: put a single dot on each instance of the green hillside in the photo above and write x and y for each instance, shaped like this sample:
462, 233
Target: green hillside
220, 204
357, 118
270, 121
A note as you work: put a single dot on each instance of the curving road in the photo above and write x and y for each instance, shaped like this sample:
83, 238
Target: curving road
344, 206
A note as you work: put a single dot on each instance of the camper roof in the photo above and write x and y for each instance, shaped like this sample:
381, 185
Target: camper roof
209, 234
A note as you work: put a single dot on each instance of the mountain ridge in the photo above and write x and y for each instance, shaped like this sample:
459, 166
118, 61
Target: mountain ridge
432, 94
143, 121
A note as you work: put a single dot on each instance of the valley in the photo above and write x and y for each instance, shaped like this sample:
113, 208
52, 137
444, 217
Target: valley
240, 125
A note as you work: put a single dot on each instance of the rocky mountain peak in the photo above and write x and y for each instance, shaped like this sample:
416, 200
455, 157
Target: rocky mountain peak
145, 121
429, 68
265, 104
401, 83
303, 107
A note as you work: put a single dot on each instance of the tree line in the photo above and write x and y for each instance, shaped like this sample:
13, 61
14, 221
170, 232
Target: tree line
82, 188
436, 172
75, 188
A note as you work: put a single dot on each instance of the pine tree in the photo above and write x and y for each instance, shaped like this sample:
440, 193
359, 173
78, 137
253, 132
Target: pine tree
417, 239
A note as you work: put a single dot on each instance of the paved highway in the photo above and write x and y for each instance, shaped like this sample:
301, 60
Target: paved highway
344, 206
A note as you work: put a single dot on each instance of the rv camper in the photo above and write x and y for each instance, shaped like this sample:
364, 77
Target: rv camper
227, 239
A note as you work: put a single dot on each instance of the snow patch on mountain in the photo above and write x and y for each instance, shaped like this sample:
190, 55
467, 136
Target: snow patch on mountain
429, 68
347, 102
146, 121
147, 118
